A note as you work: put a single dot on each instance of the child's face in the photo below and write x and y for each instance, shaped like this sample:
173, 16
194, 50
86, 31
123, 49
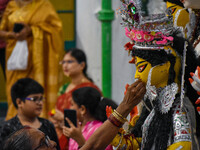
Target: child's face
32, 106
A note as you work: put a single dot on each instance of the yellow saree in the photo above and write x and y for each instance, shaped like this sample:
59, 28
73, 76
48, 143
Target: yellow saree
45, 49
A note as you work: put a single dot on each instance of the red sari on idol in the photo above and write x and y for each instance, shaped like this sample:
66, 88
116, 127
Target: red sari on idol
63, 102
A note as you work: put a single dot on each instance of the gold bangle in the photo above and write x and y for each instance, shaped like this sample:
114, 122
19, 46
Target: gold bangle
119, 118
120, 115
115, 121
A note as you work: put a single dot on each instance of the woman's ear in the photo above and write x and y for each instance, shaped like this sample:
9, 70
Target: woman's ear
83, 110
82, 65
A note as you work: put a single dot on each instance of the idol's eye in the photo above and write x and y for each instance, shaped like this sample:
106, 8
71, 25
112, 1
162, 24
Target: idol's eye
141, 68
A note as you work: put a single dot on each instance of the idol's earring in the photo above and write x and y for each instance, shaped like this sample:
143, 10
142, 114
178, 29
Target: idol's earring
166, 95
151, 92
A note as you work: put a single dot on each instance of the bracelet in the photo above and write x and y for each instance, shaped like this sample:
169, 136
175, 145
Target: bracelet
118, 114
118, 118
115, 121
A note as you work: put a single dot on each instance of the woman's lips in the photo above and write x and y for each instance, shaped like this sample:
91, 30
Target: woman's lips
66, 70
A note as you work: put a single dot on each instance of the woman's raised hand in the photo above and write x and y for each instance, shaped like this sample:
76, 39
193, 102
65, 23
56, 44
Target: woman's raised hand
74, 132
134, 94
57, 119
58, 115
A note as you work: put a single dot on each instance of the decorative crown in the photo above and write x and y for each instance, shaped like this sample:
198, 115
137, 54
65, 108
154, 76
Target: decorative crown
146, 31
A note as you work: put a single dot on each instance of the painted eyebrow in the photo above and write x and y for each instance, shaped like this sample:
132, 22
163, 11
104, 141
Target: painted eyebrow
140, 63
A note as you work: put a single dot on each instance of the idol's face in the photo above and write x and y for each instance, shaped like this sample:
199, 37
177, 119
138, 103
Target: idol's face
160, 73
194, 4
183, 15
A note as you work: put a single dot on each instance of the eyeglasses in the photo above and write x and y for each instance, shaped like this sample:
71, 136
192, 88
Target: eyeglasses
46, 142
67, 61
35, 99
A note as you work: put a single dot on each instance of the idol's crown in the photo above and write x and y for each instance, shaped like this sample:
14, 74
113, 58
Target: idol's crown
146, 30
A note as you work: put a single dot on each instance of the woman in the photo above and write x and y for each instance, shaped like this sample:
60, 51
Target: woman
74, 65
42, 29
28, 138
91, 112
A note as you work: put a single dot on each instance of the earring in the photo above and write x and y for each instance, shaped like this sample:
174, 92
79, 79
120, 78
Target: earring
151, 92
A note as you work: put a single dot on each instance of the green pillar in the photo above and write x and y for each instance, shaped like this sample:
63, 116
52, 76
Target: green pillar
106, 15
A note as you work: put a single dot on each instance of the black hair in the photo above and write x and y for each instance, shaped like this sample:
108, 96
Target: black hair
93, 101
163, 122
19, 140
80, 56
23, 88
178, 2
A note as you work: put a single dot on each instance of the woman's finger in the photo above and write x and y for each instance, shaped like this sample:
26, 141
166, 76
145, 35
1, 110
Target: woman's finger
69, 122
66, 131
134, 84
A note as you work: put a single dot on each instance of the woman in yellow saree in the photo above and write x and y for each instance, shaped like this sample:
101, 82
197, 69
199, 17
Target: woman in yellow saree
43, 33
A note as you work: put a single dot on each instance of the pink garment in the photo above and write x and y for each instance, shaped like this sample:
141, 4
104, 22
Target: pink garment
87, 131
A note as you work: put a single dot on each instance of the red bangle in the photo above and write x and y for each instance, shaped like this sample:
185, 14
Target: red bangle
115, 121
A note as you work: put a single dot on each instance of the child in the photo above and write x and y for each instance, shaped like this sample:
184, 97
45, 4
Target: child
27, 97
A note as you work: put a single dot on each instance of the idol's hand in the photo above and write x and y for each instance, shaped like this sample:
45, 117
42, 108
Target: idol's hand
197, 103
195, 82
